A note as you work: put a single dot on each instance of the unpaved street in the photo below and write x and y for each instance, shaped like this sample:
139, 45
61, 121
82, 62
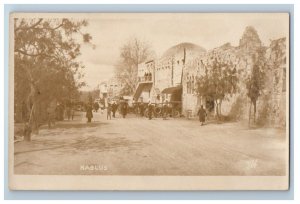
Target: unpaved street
138, 146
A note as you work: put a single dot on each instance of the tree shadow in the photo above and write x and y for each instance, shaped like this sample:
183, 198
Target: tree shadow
69, 125
91, 144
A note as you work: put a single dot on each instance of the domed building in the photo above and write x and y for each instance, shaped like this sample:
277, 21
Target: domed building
161, 80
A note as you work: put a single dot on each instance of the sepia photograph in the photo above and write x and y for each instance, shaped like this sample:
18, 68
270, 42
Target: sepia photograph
160, 101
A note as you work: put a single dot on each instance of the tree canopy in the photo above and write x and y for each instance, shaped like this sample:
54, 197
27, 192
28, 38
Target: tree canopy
132, 53
45, 59
220, 80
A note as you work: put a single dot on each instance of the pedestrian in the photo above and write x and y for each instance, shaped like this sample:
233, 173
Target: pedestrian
202, 114
102, 107
142, 109
109, 109
165, 110
114, 108
51, 116
59, 112
68, 112
89, 113
150, 110
124, 108
96, 106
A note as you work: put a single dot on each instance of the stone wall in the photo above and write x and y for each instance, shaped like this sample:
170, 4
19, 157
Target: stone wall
271, 104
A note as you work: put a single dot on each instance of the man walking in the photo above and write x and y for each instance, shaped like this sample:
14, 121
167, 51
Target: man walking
89, 113
114, 109
124, 108
202, 114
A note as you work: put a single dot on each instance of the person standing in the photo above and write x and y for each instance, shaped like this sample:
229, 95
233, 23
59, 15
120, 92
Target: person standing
124, 108
96, 106
202, 114
114, 109
165, 110
150, 110
108, 111
142, 109
51, 116
72, 111
89, 113
68, 109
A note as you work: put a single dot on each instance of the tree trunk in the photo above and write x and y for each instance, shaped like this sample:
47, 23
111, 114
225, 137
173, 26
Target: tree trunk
216, 109
250, 114
254, 110
220, 108
32, 123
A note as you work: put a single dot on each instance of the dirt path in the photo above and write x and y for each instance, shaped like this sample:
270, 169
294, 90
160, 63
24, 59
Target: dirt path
138, 146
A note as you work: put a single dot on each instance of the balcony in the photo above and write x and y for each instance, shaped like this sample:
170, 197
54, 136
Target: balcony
146, 78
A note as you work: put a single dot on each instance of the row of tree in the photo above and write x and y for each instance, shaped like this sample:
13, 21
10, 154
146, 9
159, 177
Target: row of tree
45, 64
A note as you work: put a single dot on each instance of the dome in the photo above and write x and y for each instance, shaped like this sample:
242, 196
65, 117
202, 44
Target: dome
189, 47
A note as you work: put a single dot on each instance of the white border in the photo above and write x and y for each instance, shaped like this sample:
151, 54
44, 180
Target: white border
296, 75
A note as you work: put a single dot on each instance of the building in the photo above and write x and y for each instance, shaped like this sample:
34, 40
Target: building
173, 77
165, 81
146, 81
114, 87
103, 89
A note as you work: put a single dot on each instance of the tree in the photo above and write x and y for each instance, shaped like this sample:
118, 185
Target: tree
45, 64
132, 54
255, 82
219, 81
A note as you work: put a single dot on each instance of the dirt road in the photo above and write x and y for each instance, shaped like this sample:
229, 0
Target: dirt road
138, 146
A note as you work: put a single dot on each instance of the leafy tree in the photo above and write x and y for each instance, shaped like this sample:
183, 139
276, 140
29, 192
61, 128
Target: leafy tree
132, 54
45, 52
219, 81
255, 81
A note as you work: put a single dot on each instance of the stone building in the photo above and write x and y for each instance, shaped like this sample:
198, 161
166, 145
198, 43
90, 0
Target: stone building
174, 78
114, 87
166, 74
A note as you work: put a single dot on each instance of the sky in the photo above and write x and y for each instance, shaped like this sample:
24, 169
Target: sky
161, 31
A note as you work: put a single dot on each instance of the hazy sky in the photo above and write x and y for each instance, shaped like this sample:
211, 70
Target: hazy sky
162, 31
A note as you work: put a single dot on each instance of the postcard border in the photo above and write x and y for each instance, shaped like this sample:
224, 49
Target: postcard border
290, 10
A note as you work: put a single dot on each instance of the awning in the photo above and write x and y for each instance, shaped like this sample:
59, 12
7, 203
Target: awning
142, 86
171, 90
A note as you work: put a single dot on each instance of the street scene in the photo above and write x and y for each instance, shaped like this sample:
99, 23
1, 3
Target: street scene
168, 94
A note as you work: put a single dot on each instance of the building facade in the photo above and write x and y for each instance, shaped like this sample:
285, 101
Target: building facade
174, 78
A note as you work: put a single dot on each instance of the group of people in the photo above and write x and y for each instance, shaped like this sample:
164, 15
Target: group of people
123, 109
111, 111
59, 111
113, 107
147, 77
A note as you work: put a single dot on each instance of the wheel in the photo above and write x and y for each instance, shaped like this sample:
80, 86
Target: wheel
157, 111
146, 113
176, 113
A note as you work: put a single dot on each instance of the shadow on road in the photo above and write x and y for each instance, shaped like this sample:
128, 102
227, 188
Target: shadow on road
91, 144
70, 124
